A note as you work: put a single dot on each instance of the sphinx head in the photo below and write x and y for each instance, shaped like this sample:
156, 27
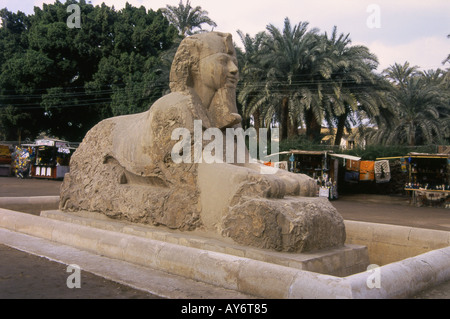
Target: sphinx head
206, 65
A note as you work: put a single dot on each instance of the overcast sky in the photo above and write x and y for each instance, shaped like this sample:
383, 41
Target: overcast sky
394, 30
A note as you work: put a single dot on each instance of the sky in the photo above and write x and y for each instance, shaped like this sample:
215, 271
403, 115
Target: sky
394, 30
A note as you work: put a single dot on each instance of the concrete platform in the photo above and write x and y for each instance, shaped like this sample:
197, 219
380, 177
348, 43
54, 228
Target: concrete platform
341, 262
239, 274
152, 281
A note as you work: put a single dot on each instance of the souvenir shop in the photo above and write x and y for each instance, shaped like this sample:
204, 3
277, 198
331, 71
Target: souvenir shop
5, 160
429, 179
335, 172
424, 177
357, 171
324, 166
51, 158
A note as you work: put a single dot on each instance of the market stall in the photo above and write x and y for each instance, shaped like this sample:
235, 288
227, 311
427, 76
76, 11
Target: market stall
5, 160
429, 179
52, 159
320, 165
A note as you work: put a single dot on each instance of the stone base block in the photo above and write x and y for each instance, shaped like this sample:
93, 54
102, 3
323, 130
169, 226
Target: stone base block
341, 262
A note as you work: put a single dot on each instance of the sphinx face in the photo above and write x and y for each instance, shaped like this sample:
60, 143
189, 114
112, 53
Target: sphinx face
218, 71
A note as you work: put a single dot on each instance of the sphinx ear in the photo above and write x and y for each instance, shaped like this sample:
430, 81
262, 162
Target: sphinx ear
184, 65
229, 44
179, 72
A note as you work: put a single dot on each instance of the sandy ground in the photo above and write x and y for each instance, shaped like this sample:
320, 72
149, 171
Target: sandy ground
31, 277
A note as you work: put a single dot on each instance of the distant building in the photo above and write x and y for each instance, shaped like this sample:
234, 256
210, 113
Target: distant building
349, 140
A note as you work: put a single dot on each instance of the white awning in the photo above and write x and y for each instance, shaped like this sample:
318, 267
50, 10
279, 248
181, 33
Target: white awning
348, 157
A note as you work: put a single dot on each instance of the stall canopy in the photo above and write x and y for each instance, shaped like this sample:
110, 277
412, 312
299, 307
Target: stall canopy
345, 156
330, 153
417, 155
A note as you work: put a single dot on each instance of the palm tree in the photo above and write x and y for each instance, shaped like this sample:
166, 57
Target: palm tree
187, 18
420, 107
285, 58
447, 74
448, 56
399, 74
357, 92
439, 79
297, 77
250, 94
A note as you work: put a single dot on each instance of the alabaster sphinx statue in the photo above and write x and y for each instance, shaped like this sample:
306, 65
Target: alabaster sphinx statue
124, 167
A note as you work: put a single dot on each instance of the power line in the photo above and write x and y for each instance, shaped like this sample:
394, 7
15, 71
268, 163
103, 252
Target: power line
76, 94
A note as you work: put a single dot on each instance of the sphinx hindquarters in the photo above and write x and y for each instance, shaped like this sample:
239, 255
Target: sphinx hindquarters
120, 172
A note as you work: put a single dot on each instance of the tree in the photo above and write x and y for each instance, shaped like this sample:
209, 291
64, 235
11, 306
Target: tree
280, 60
127, 71
250, 92
421, 107
63, 81
187, 19
357, 92
20, 77
400, 74
447, 60
296, 77
289, 56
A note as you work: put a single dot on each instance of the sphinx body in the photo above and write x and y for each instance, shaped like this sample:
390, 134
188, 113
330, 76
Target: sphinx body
124, 169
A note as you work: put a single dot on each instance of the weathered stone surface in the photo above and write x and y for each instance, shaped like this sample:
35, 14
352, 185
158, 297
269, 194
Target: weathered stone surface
289, 224
121, 170
124, 166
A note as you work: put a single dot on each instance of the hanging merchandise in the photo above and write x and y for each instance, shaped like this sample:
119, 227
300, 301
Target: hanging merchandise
352, 171
324, 192
351, 177
352, 166
366, 170
23, 157
382, 171
5, 155
5, 160
403, 165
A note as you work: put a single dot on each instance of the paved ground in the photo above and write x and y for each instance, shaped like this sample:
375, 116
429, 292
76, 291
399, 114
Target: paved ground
26, 276
16, 187
393, 211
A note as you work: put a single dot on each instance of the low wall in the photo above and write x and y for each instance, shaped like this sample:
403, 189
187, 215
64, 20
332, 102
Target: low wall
32, 205
262, 279
389, 243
